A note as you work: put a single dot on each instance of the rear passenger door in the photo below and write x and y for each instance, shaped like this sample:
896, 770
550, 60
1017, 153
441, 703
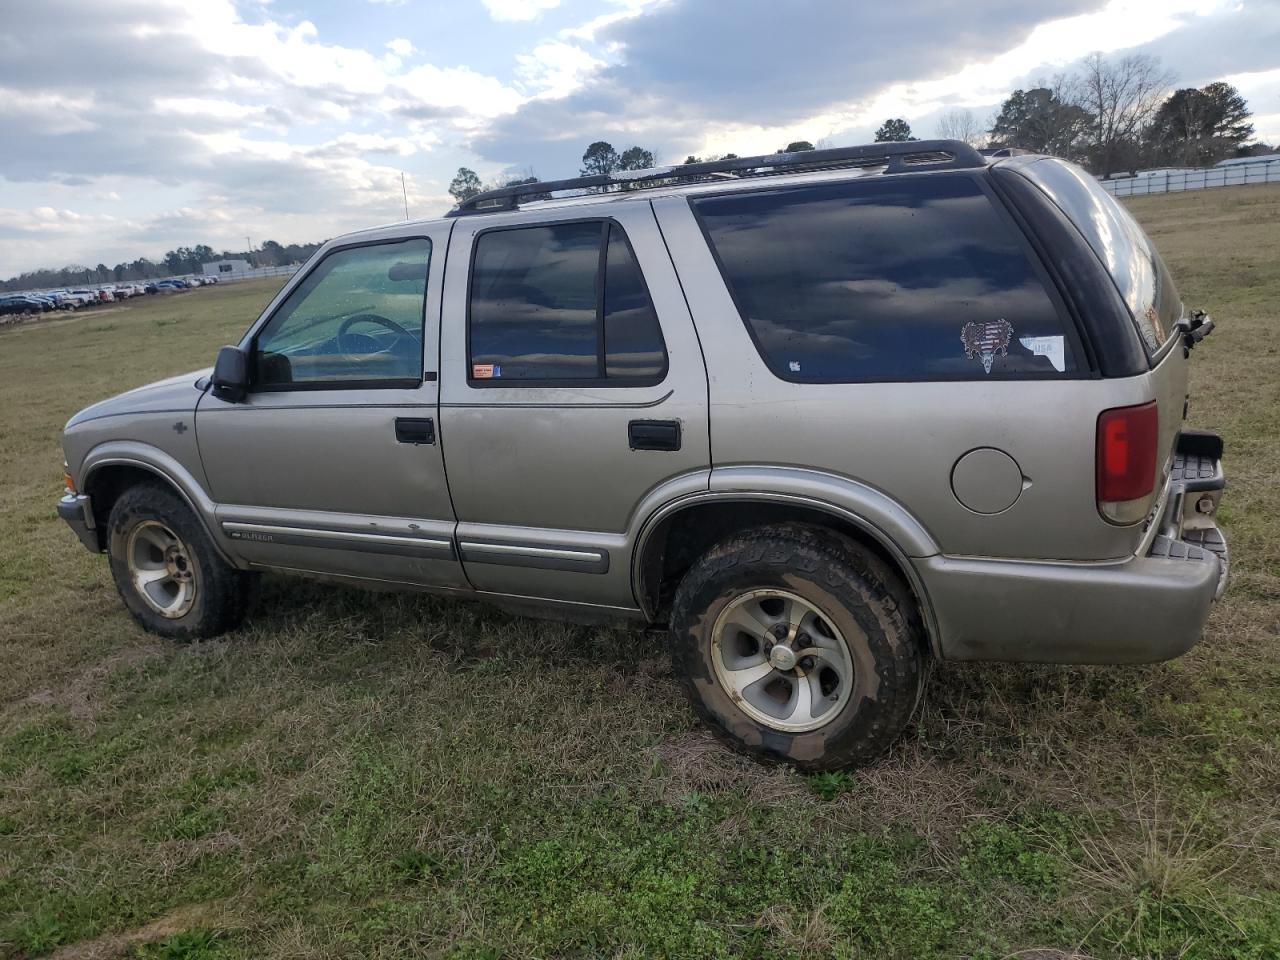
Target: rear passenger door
572, 388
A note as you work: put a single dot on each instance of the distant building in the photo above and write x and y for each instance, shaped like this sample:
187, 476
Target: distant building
228, 269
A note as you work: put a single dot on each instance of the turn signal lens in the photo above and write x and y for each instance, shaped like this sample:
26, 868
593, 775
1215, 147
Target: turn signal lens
1128, 438
68, 482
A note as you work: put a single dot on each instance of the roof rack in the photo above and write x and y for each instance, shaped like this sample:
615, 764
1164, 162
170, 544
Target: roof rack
895, 157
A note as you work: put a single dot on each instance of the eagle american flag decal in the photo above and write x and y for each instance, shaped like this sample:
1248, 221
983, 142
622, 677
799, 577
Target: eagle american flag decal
982, 340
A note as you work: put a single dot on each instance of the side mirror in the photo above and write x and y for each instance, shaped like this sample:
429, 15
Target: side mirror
231, 374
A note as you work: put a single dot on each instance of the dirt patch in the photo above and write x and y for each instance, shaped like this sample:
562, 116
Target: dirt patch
207, 915
80, 697
695, 762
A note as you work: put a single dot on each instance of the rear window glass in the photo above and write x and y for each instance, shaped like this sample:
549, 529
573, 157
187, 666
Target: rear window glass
1123, 247
902, 278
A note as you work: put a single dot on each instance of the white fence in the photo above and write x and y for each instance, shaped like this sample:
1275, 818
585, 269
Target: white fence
1176, 181
253, 272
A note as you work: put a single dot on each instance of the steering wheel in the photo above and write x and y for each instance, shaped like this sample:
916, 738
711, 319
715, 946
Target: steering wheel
345, 339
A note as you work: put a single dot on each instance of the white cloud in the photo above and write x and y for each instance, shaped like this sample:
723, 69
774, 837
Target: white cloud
51, 113
176, 122
518, 9
589, 30
556, 69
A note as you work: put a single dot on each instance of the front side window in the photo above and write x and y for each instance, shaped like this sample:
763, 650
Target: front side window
563, 303
894, 278
357, 318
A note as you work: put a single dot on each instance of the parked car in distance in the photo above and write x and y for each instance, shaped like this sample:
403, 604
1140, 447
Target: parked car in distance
19, 304
825, 416
65, 300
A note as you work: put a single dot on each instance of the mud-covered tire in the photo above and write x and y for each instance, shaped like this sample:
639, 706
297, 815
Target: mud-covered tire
145, 517
864, 601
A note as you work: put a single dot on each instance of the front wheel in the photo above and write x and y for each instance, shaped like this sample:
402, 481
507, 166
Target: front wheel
798, 646
170, 576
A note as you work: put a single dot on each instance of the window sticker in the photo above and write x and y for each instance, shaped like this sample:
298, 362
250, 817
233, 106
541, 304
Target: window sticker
1053, 348
794, 366
982, 340
485, 371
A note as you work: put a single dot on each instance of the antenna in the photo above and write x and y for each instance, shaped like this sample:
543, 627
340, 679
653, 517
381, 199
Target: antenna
405, 193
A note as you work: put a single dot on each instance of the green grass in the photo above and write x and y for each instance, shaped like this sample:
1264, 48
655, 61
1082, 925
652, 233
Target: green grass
373, 775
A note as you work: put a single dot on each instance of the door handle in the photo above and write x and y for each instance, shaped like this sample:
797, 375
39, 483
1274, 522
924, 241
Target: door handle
654, 434
420, 430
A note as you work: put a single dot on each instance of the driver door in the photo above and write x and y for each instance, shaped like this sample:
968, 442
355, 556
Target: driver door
331, 463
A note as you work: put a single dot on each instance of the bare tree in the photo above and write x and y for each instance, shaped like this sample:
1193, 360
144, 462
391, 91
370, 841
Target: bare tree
960, 124
1121, 96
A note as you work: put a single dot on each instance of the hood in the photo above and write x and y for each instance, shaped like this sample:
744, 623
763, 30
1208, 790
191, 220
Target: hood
175, 394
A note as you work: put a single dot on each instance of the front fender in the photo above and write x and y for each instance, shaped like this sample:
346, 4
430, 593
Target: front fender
165, 467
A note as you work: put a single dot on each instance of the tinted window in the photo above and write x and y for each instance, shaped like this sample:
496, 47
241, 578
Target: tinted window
632, 339
356, 317
542, 308
1123, 247
898, 278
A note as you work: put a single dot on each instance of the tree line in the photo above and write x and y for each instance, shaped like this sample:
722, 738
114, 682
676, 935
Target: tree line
175, 263
1112, 116
1118, 116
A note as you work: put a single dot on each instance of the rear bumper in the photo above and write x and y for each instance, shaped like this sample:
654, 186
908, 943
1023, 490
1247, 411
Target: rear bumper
1149, 607
77, 511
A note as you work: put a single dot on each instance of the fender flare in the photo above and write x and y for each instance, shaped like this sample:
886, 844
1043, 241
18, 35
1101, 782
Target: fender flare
874, 513
165, 467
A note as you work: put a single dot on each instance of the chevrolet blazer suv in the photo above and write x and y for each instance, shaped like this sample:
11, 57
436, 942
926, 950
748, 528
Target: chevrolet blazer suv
828, 416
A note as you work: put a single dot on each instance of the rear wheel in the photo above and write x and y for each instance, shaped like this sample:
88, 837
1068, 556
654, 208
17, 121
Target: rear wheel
168, 572
799, 646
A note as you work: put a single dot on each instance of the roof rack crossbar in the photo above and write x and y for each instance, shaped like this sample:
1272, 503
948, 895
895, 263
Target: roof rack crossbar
896, 156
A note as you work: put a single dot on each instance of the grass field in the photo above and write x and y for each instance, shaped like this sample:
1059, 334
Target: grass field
371, 775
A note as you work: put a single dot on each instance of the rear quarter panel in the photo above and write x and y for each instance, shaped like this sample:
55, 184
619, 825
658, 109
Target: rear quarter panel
905, 438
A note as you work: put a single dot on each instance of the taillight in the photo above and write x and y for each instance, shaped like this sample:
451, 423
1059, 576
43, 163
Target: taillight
1128, 438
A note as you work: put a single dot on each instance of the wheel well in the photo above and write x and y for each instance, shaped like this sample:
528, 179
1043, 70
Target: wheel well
106, 484
684, 536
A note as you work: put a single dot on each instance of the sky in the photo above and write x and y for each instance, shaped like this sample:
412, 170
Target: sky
130, 127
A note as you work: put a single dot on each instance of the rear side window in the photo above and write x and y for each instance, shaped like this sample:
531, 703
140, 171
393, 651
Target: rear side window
563, 303
1123, 247
902, 278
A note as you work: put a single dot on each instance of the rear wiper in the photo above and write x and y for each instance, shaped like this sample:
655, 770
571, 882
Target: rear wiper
1194, 328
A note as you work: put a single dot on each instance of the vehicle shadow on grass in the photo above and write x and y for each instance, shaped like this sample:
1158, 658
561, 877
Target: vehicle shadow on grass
461, 632
1021, 714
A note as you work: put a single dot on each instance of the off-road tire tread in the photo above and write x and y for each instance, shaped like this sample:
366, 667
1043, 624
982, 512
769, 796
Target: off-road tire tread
846, 569
224, 591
